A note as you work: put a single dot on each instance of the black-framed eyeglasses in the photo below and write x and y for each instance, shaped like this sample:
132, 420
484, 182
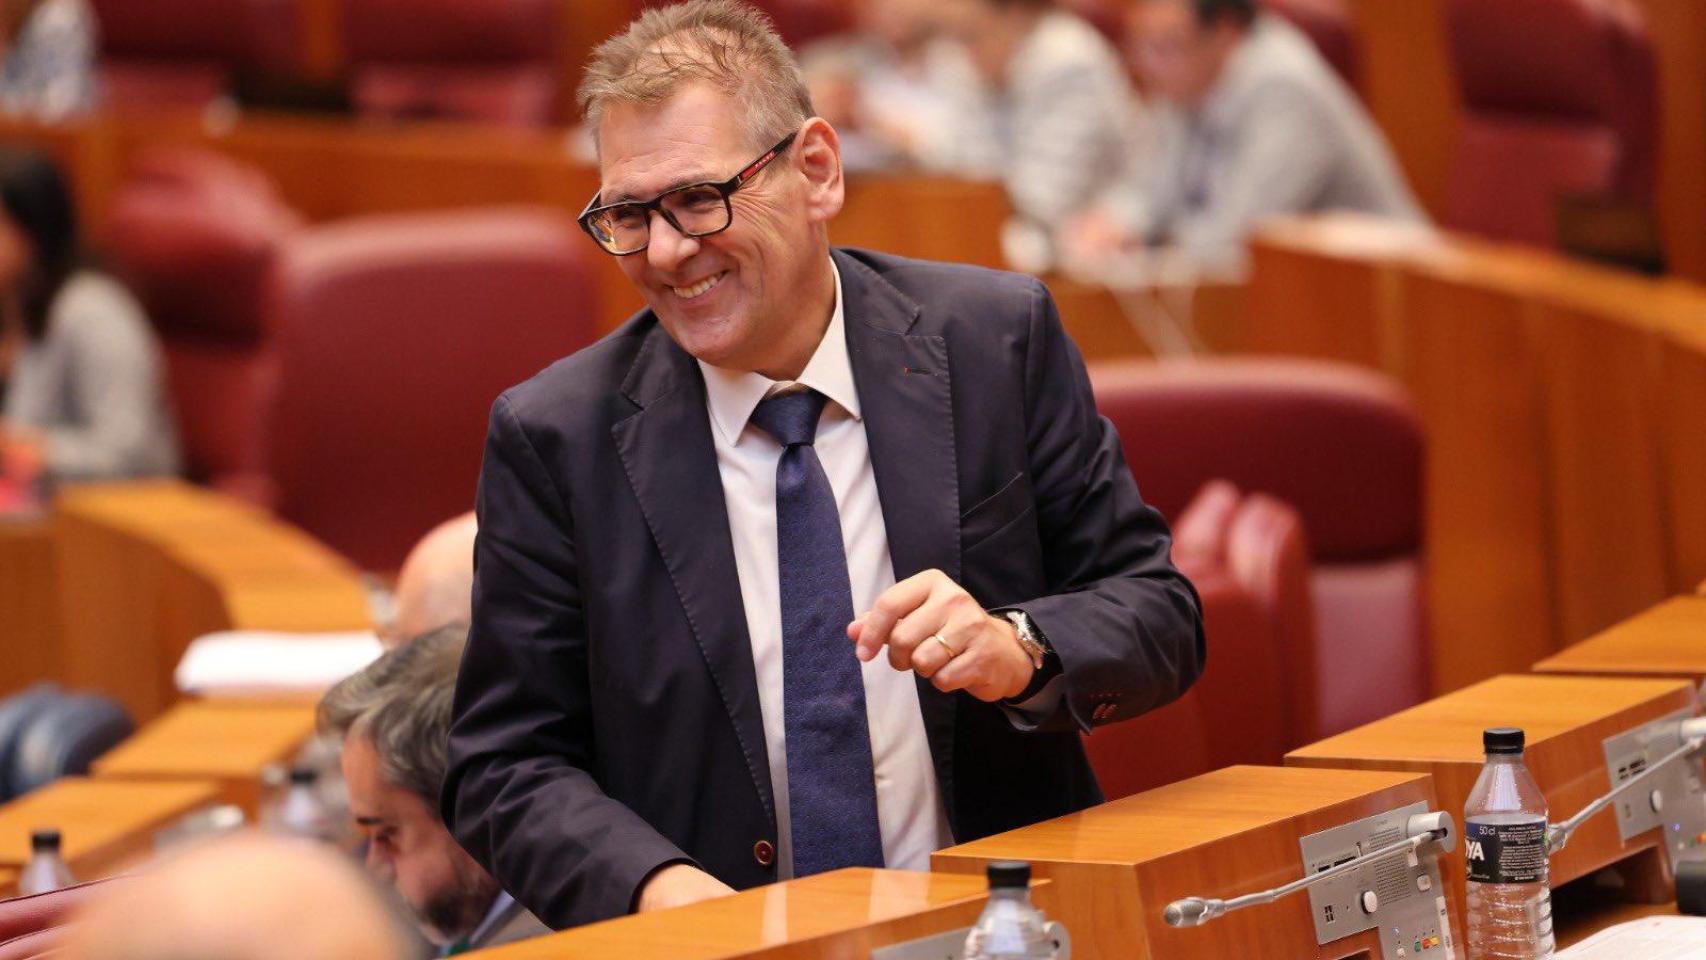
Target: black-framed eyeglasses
695, 210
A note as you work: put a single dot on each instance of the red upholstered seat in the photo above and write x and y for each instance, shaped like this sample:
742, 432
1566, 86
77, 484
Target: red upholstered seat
185, 52
1248, 560
1342, 447
1559, 98
396, 333
492, 61
195, 235
1328, 24
29, 926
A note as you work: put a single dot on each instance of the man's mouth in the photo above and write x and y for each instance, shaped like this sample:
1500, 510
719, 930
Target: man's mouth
699, 289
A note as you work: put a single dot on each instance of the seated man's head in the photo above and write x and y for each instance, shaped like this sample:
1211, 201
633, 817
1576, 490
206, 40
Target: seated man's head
1181, 46
436, 583
394, 719
243, 897
716, 182
991, 31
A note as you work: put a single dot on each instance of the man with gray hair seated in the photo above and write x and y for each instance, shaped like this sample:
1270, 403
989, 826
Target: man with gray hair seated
394, 720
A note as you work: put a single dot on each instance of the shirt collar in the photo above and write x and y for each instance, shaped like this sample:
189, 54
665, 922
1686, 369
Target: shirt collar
732, 395
500, 904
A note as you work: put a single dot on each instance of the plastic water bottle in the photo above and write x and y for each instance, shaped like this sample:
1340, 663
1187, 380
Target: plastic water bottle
1010, 927
1504, 843
46, 870
300, 812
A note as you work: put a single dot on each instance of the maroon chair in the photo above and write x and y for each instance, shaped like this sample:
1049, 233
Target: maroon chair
489, 61
1559, 98
1342, 447
186, 52
395, 334
1328, 24
1247, 558
32, 926
195, 235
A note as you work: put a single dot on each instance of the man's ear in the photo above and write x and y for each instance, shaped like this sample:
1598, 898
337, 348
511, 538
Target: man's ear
819, 149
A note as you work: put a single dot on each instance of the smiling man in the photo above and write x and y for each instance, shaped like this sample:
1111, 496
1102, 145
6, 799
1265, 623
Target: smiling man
822, 560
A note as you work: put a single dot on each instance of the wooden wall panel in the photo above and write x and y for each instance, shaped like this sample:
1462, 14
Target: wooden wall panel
1410, 88
1682, 428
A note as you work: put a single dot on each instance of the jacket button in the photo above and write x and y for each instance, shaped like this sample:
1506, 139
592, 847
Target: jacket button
764, 852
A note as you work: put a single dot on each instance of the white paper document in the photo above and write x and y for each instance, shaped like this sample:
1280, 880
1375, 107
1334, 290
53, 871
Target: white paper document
255, 662
1652, 938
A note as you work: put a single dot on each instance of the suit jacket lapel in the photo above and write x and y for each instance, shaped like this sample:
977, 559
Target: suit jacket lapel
903, 383
671, 462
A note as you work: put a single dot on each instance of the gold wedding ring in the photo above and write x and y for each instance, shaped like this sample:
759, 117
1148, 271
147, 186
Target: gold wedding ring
952, 653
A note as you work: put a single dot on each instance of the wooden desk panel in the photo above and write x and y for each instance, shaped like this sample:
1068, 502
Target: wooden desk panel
230, 743
29, 605
102, 824
147, 567
1668, 640
1222, 834
1682, 432
842, 914
1411, 90
1679, 47
1566, 720
1475, 377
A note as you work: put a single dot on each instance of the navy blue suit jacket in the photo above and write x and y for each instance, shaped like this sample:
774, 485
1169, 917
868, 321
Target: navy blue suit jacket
607, 716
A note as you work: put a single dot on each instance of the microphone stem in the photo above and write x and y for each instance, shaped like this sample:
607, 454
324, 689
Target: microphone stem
1269, 896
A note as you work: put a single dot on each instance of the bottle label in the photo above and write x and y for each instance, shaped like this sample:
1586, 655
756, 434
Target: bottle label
1505, 852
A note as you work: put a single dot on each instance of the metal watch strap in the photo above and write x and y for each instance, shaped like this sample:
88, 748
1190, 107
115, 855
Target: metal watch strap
1029, 640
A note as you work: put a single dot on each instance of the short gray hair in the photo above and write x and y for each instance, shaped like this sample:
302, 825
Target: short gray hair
401, 702
731, 45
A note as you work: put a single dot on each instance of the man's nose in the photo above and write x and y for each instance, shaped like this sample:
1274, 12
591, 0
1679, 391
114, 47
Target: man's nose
667, 247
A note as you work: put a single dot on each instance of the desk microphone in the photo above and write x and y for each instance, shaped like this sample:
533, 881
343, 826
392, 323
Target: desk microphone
1691, 733
1421, 829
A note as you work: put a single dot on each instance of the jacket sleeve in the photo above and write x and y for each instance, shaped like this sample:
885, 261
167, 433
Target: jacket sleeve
1124, 623
519, 793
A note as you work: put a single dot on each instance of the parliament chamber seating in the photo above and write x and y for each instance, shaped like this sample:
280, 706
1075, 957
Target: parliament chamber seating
196, 235
1341, 446
32, 926
1248, 561
1559, 99
396, 333
491, 61
188, 52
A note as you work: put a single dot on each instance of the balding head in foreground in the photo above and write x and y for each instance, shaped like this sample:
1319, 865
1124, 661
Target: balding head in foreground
437, 578
246, 897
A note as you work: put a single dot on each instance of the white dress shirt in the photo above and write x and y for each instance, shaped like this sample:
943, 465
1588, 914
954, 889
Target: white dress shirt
909, 805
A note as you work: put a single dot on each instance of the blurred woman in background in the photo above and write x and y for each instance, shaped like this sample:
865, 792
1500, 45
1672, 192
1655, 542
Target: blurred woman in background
47, 58
83, 374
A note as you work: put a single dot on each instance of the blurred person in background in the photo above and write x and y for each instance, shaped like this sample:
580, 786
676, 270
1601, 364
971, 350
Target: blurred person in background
394, 721
83, 374
890, 88
1053, 117
435, 585
47, 58
1250, 122
242, 897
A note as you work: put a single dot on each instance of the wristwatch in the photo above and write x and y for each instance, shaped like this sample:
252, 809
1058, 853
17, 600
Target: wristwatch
1030, 638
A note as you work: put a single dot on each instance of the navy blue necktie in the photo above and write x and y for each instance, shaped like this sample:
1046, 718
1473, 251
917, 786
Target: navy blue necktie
832, 792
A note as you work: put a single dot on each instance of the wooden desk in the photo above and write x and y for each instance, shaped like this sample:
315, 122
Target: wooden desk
1223, 834
1682, 387
103, 824
230, 743
1668, 640
842, 914
145, 568
29, 608
1566, 720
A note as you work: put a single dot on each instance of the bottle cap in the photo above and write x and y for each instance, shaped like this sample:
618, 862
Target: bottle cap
1009, 875
307, 775
44, 840
1502, 740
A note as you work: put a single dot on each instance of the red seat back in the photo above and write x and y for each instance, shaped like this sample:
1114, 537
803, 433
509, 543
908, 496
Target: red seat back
479, 60
396, 333
196, 234
1340, 445
1559, 97
185, 52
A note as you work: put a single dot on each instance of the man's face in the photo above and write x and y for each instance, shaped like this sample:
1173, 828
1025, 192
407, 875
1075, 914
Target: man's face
728, 298
1178, 58
409, 848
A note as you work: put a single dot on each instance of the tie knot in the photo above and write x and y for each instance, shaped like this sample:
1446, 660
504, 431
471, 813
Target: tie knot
790, 417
